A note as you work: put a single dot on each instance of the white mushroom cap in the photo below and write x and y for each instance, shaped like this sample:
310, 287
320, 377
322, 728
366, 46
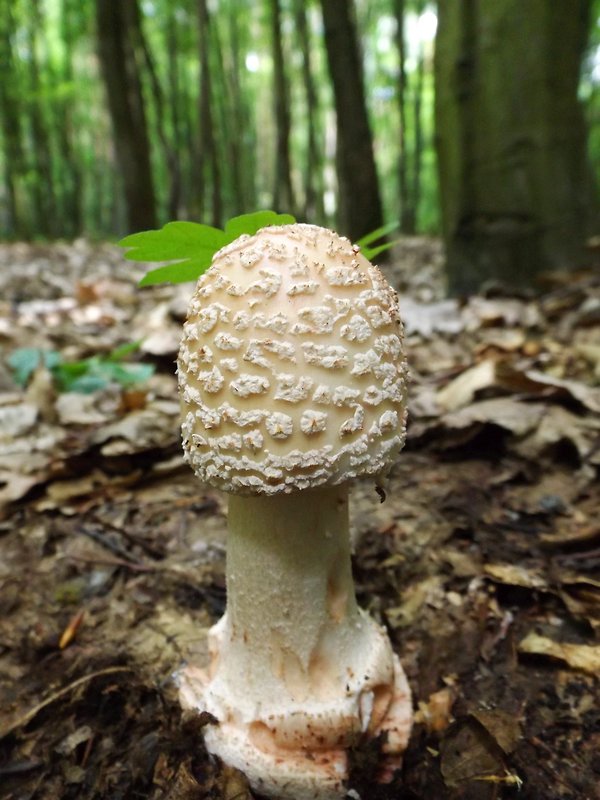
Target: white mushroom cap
291, 366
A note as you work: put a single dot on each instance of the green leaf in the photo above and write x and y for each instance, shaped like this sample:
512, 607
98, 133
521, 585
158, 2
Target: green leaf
86, 384
119, 353
191, 245
251, 223
373, 252
72, 369
175, 241
129, 374
377, 234
25, 360
180, 272
87, 375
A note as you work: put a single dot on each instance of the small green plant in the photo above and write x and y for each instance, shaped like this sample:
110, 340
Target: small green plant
191, 245
370, 238
85, 376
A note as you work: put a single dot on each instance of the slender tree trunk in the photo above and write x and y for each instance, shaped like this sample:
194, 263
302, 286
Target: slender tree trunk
170, 155
407, 217
228, 141
515, 186
188, 112
210, 168
43, 185
71, 184
117, 33
283, 193
418, 140
313, 201
10, 122
174, 202
360, 208
239, 118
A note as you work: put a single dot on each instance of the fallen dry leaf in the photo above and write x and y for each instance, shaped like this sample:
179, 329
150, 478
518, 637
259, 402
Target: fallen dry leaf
503, 726
469, 753
425, 319
559, 425
14, 486
577, 656
461, 391
16, 420
535, 382
435, 713
506, 412
515, 575
500, 311
429, 591
74, 408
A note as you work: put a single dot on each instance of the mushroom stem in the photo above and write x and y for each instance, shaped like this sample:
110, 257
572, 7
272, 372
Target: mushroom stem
291, 600
299, 675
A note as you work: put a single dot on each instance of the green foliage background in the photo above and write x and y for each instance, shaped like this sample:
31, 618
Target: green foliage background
57, 151
57, 136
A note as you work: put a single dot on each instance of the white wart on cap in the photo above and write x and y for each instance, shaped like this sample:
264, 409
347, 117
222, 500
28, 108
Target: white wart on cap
291, 366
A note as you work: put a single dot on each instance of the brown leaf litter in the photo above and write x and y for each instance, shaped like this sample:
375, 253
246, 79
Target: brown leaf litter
483, 561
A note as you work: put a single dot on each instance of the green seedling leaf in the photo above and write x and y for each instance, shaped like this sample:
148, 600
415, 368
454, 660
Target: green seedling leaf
175, 241
86, 384
85, 376
181, 272
119, 353
251, 223
96, 373
191, 245
25, 360
373, 252
130, 374
371, 237
74, 376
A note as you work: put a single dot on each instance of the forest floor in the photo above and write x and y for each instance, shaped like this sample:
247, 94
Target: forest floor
483, 562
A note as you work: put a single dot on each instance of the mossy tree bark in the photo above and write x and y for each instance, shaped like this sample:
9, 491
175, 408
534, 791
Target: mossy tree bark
516, 192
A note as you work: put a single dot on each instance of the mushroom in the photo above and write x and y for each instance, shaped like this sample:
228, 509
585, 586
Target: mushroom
293, 383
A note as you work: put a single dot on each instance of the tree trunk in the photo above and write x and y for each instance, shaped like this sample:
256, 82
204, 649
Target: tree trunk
313, 185
283, 193
175, 200
117, 34
170, 155
239, 117
360, 210
71, 172
407, 216
516, 192
41, 158
210, 169
10, 122
418, 139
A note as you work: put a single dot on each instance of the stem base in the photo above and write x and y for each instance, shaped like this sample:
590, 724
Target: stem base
281, 758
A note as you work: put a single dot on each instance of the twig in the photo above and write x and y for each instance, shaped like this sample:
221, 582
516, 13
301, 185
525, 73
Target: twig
33, 712
116, 562
139, 541
105, 542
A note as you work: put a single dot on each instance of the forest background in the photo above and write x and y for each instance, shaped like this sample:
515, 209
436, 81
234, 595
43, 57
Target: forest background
472, 123
120, 116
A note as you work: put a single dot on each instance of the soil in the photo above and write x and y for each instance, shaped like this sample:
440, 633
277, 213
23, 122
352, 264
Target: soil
483, 561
